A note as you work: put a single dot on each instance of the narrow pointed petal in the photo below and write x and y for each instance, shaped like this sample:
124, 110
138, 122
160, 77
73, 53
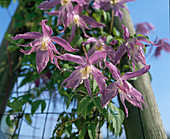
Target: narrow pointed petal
140, 38
111, 92
74, 58
52, 46
90, 40
97, 56
122, 99
73, 80
47, 30
73, 30
126, 33
100, 79
28, 35
129, 75
63, 43
87, 85
114, 70
91, 22
119, 53
78, 9
80, 2
52, 13
42, 58
49, 4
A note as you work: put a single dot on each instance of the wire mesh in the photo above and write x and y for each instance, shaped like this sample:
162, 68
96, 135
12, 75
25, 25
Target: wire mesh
43, 123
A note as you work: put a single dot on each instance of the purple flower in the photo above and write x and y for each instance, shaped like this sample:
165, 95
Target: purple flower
45, 78
83, 72
134, 48
111, 4
123, 87
43, 46
75, 19
144, 28
100, 45
164, 46
65, 10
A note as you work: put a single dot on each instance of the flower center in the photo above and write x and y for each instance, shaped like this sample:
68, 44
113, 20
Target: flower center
114, 2
99, 46
44, 44
76, 19
64, 2
85, 72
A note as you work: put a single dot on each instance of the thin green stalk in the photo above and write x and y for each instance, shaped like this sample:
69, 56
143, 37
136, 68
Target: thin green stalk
112, 20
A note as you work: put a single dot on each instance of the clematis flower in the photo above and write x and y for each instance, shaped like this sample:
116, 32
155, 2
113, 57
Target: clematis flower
43, 46
144, 28
100, 45
84, 71
64, 11
165, 45
134, 48
111, 4
123, 87
75, 19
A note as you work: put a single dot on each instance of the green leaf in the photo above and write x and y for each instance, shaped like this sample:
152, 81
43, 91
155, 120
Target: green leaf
69, 99
43, 105
82, 132
116, 125
94, 85
35, 106
120, 114
25, 98
77, 41
92, 130
28, 118
110, 115
116, 33
12, 48
82, 106
16, 105
97, 103
81, 89
8, 121
109, 39
68, 127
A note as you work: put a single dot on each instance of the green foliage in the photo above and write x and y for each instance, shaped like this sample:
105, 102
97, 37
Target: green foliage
82, 106
92, 130
36, 104
109, 39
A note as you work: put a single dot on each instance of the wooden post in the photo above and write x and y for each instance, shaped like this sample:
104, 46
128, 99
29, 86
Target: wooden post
146, 124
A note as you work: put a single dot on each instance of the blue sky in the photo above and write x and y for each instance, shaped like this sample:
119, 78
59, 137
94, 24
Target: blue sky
155, 12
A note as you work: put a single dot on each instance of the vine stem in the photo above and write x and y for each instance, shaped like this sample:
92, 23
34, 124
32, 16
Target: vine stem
112, 20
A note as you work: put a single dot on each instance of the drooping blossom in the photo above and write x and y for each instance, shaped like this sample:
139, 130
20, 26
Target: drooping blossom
122, 87
75, 19
134, 48
144, 28
165, 45
115, 5
100, 45
65, 11
44, 77
82, 73
43, 46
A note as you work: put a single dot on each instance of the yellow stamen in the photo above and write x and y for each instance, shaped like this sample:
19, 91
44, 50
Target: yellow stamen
44, 43
85, 72
64, 2
114, 2
76, 19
